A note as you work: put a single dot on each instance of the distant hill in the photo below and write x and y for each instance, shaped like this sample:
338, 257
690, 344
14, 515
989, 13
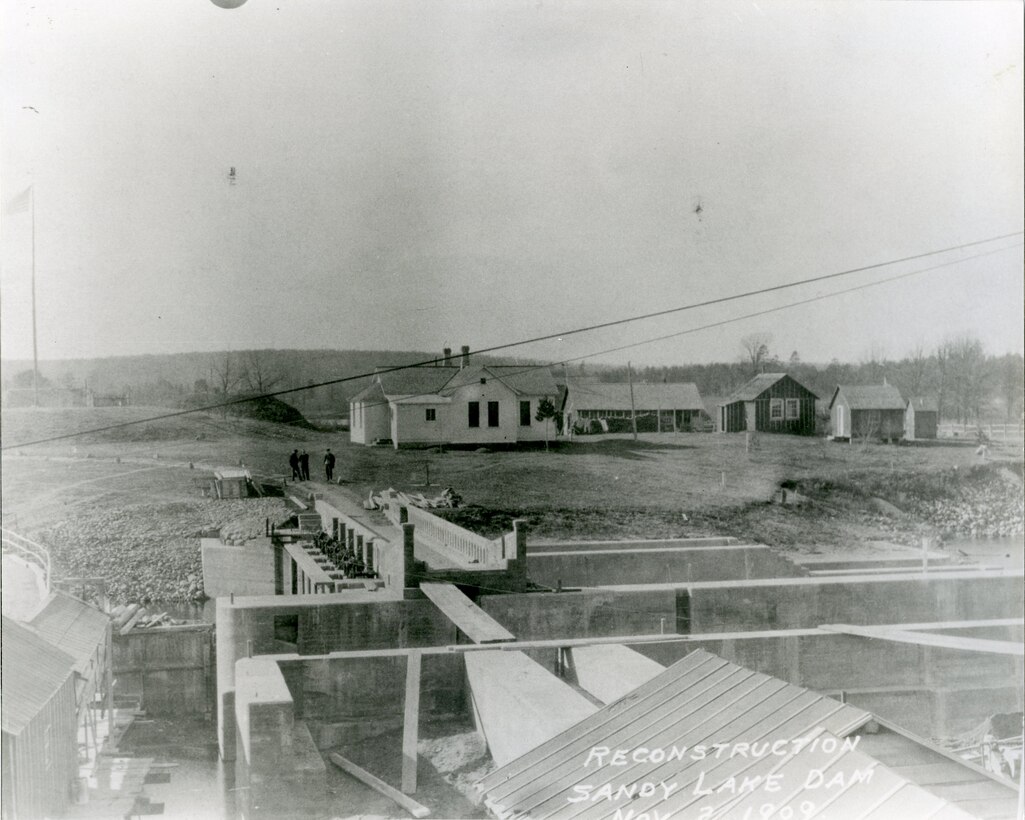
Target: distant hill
167, 380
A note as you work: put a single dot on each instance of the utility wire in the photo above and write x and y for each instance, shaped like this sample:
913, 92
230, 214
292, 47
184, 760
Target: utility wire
505, 346
720, 323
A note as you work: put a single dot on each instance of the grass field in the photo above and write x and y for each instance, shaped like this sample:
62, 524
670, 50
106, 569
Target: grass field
664, 485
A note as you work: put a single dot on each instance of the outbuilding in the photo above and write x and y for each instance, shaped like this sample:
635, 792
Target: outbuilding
770, 403
921, 418
40, 733
659, 407
867, 411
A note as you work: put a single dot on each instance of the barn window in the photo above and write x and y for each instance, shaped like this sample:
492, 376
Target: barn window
473, 412
430, 414
793, 409
525, 413
776, 409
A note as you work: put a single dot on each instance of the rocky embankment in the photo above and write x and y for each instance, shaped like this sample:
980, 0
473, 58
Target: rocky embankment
980, 502
151, 552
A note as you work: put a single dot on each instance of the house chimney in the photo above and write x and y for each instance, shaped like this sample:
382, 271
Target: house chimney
466, 356
447, 353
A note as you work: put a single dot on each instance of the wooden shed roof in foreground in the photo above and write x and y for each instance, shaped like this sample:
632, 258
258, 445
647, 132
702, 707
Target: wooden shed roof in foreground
719, 723
33, 671
72, 626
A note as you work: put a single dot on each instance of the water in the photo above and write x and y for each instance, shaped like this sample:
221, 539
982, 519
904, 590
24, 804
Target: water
1007, 552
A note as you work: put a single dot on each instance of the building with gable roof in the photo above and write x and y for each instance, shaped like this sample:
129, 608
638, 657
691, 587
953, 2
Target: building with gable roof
465, 405
769, 403
40, 732
867, 411
659, 407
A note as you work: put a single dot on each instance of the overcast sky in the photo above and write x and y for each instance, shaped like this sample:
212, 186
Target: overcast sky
413, 174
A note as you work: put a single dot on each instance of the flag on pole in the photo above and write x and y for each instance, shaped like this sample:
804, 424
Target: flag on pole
20, 203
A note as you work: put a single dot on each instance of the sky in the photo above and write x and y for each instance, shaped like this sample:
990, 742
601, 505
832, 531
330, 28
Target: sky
413, 175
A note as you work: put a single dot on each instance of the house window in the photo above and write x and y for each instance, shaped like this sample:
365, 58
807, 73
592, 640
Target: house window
473, 408
429, 414
492, 414
525, 413
793, 409
776, 409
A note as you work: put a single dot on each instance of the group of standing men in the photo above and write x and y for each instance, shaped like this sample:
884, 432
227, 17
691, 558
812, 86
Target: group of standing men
300, 464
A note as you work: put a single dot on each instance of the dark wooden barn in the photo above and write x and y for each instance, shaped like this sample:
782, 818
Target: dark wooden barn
770, 403
40, 731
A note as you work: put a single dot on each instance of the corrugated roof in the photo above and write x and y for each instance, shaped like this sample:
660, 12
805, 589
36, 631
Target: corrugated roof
33, 671
924, 404
72, 626
595, 395
870, 396
415, 381
689, 737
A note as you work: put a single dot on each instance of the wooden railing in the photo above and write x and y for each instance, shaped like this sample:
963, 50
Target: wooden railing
30, 551
470, 547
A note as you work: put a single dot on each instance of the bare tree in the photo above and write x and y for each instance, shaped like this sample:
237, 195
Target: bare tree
1012, 382
916, 371
258, 373
968, 376
873, 363
224, 377
756, 350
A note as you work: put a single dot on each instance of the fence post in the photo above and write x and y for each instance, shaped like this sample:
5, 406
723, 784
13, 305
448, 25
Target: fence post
408, 550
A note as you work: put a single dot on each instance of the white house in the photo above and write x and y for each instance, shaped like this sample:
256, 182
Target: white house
470, 404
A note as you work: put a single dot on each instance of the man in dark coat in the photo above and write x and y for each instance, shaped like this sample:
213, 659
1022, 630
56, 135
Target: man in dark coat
304, 465
329, 464
293, 462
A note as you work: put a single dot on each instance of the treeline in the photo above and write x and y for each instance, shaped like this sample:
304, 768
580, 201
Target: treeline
196, 379
967, 384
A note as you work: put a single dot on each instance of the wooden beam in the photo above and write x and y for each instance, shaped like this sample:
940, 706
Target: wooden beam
362, 775
473, 621
411, 723
930, 639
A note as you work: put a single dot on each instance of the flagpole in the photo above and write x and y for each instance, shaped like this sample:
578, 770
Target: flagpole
35, 349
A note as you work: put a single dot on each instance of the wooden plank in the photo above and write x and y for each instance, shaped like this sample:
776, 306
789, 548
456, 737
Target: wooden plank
411, 723
930, 639
408, 803
473, 621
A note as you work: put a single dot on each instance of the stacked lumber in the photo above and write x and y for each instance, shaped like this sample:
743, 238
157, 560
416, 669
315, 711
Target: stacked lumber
448, 499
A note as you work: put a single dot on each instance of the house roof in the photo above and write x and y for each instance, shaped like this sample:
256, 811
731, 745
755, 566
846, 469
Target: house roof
751, 390
706, 703
587, 394
372, 392
924, 404
870, 397
33, 671
72, 626
526, 380
522, 379
415, 381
